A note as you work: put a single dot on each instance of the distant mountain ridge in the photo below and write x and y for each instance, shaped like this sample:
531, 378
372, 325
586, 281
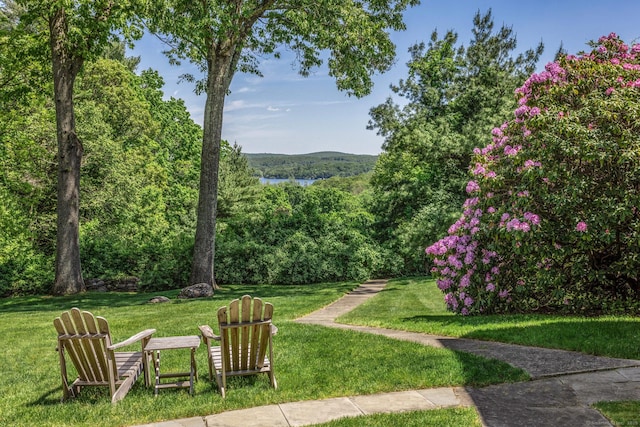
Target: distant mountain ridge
320, 165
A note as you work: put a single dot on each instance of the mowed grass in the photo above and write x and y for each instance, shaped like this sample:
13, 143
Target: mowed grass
417, 305
311, 362
454, 417
621, 413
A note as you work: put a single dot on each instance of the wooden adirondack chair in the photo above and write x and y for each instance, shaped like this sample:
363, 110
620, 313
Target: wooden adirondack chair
246, 346
86, 340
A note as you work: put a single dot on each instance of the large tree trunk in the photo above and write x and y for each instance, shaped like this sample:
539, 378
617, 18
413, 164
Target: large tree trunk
65, 68
219, 77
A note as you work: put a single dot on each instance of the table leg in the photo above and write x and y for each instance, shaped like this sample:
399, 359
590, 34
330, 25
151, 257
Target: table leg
156, 365
194, 370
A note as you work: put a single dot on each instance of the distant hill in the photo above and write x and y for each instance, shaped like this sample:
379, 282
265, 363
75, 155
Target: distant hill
320, 165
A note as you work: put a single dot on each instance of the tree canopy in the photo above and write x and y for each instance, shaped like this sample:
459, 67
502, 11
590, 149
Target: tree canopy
225, 37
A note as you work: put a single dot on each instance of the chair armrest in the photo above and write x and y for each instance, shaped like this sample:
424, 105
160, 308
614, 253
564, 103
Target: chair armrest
135, 338
207, 333
274, 329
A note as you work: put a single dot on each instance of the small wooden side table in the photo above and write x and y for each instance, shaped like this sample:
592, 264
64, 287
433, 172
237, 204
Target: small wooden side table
153, 348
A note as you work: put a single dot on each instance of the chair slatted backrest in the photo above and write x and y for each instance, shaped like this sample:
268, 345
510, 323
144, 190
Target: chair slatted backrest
85, 338
245, 331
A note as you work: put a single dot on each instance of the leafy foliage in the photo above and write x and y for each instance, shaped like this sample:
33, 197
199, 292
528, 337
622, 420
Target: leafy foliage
133, 232
223, 38
27, 195
454, 96
552, 220
139, 182
298, 235
139, 189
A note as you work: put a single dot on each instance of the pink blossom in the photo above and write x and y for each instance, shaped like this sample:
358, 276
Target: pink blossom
532, 218
478, 170
470, 202
511, 151
472, 187
631, 67
491, 287
469, 258
531, 163
514, 224
455, 262
521, 110
581, 227
451, 301
444, 284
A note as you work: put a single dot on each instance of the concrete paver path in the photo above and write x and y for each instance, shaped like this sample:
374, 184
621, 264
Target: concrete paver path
564, 384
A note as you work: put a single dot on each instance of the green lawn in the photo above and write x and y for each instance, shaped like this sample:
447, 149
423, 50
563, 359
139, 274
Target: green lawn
454, 417
417, 305
621, 413
311, 362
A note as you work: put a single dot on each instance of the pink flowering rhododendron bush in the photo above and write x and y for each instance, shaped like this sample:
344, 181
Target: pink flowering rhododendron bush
552, 222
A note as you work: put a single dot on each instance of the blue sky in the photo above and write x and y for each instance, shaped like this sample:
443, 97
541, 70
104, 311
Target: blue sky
285, 113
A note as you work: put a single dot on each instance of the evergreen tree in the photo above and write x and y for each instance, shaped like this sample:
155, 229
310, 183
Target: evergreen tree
453, 97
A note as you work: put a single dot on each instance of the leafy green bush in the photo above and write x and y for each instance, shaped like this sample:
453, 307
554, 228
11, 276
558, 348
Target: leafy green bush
298, 235
553, 218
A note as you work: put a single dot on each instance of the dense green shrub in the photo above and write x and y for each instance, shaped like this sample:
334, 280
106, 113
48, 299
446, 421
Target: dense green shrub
23, 269
298, 235
552, 222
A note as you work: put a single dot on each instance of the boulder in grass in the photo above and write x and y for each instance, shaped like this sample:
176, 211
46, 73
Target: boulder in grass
158, 299
199, 290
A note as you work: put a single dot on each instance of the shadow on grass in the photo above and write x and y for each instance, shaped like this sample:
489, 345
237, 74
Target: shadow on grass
452, 320
48, 398
94, 300
590, 335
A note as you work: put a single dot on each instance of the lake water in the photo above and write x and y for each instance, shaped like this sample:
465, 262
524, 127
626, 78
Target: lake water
273, 181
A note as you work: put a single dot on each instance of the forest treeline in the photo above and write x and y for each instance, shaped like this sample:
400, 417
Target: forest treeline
319, 165
141, 163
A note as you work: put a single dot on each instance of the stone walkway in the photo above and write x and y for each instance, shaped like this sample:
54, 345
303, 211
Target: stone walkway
564, 384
